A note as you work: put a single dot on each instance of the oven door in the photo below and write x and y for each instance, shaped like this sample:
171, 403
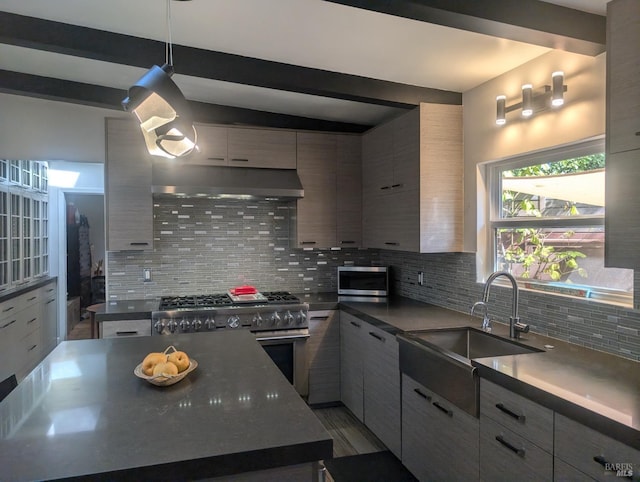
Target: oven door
288, 350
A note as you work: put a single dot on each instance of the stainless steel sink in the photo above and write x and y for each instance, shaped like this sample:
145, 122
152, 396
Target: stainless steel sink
441, 361
471, 343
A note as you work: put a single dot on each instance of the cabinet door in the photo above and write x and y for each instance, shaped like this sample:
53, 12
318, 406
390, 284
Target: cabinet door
323, 354
377, 159
507, 456
401, 224
49, 309
351, 364
406, 151
375, 217
623, 76
349, 191
316, 216
129, 205
125, 328
263, 148
382, 386
563, 472
622, 221
443, 443
591, 452
9, 335
212, 146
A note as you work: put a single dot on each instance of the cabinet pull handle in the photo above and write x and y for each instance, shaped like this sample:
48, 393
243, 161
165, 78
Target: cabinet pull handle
423, 395
396, 185
385, 187
357, 325
126, 333
139, 243
377, 337
215, 158
347, 242
321, 318
237, 159
518, 451
443, 409
390, 243
7, 324
307, 242
8, 309
31, 321
638, 133
50, 301
32, 298
518, 417
32, 348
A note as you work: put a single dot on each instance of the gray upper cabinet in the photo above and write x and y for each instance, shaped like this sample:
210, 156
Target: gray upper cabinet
316, 216
622, 220
330, 214
349, 191
262, 148
623, 75
129, 205
212, 146
412, 181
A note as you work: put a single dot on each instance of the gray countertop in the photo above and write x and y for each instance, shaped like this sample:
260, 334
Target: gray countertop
592, 387
125, 310
23, 288
83, 413
595, 388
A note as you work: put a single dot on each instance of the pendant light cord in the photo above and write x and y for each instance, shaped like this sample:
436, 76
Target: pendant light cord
169, 45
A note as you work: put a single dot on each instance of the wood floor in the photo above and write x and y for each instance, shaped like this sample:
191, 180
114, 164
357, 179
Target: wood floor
82, 331
350, 436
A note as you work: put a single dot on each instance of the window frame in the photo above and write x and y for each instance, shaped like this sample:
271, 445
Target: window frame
494, 221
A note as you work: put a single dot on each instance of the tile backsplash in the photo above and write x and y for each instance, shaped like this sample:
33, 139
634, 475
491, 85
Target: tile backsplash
208, 246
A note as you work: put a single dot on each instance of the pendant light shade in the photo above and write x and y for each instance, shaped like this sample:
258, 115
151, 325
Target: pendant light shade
163, 113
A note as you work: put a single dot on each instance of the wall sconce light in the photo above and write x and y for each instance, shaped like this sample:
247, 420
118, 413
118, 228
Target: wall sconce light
532, 101
161, 109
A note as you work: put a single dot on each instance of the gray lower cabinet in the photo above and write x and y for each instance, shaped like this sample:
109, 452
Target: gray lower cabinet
351, 364
516, 436
370, 378
593, 454
382, 387
323, 355
125, 328
439, 441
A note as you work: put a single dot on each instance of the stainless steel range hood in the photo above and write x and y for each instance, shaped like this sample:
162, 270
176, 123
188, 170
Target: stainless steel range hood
190, 180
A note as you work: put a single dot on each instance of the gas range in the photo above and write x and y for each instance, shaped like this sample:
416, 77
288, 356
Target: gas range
259, 312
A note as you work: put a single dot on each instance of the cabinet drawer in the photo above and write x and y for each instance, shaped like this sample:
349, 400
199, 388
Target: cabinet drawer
123, 328
505, 455
592, 452
521, 415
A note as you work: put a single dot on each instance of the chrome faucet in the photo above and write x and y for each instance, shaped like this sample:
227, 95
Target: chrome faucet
515, 326
486, 321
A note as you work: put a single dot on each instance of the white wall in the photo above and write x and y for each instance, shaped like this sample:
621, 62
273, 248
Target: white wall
40, 129
582, 117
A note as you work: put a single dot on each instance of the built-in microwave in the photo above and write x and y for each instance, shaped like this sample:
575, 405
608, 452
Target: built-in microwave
363, 280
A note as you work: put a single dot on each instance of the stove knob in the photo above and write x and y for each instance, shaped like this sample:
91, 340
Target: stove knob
158, 326
302, 317
185, 324
172, 325
196, 324
275, 319
288, 318
257, 320
233, 321
210, 323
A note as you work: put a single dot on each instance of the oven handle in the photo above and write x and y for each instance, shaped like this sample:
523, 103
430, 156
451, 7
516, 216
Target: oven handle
281, 337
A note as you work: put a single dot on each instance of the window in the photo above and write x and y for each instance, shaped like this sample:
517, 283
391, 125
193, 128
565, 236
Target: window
547, 223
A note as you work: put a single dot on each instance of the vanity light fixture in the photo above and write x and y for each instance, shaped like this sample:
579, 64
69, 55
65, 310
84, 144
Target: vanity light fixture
557, 89
548, 96
161, 109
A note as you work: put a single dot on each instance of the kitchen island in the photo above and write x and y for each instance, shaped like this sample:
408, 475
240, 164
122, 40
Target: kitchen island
83, 413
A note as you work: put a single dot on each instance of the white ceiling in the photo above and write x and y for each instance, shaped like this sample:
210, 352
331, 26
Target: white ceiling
310, 33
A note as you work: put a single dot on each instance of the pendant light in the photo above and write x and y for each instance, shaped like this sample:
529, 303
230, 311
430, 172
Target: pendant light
161, 109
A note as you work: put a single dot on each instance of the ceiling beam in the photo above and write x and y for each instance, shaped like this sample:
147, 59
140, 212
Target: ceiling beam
109, 98
117, 48
531, 21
